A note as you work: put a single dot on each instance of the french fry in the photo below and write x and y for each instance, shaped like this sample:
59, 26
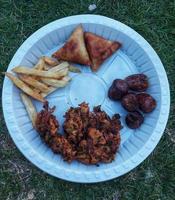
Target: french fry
50, 61
56, 83
74, 69
33, 82
59, 67
36, 90
24, 87
46, 67
31, 110
51, 89
41, 73
40, 64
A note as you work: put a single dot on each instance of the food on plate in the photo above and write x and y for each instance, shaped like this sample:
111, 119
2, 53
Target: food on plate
137, 82
56, 83
90, 137
146, 102
29, 107
59, 67
93, 135
74, 69
51, 89
129, 102
46, 123
24, 87
44, 78
50, 61
74, 50
134, 119
99, 49
118, 89
40, 65
33, 82
42, 73
48, 126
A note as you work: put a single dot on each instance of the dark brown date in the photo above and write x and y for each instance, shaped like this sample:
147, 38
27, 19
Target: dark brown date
146, 102
134, 119
129, 102
118, 89
137, 82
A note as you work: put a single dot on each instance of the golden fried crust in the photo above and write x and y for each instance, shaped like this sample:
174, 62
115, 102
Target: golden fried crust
99, 49
74, 49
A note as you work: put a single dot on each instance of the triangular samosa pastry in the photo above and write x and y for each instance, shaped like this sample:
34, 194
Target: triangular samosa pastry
99, 49
74, 50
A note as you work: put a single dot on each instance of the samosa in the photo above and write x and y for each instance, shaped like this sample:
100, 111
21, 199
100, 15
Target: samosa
74, 50
99, 49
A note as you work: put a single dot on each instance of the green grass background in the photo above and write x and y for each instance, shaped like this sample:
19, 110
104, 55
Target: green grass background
154, 179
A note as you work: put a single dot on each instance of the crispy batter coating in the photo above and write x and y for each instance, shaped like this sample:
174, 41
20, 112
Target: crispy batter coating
90, 137
93, 135
47, 126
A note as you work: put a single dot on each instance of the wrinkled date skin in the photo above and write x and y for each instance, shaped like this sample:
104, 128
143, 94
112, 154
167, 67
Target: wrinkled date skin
146, 102
137, 82
134, 119
129, 102
118, 89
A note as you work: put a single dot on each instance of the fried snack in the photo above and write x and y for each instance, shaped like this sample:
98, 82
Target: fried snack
29, 107
74, 69
50, 61
61, 66
51, 89
40, 73
90, 137
24, 87
46, 123
47, 126
40, 64
99, 49
56, 83
33, 82
93, 135
74, 50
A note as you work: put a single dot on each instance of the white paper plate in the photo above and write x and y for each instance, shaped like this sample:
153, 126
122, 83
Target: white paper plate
136, 55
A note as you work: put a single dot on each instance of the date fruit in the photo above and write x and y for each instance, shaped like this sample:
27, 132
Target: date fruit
134, 119
137, 82
146, 102
118, 89
129, 102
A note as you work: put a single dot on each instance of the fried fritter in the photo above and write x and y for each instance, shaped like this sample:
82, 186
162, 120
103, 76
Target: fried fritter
48, 126
93, 135
90, 137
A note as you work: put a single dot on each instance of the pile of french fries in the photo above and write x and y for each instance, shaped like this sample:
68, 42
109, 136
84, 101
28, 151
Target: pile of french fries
44, 78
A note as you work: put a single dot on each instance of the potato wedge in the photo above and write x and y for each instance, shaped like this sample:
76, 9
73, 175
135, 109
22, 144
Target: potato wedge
56, 83
33, 82
74, 69
24, 87
31, 110
41, 73
40, 64
50, 61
